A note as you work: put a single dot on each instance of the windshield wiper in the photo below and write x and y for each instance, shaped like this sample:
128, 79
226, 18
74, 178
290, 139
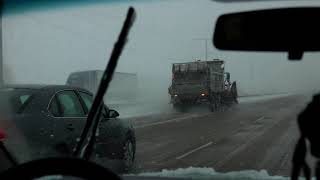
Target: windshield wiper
83, 149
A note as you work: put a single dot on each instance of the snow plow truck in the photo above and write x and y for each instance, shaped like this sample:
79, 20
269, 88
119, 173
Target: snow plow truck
202, 82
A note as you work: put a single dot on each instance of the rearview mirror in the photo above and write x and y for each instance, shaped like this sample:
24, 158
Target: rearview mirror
113, 113
292, 30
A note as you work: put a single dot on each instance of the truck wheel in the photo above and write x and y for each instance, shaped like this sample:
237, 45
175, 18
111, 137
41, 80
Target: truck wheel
215, 103
219, 105
212, 104
212, 107
177, 107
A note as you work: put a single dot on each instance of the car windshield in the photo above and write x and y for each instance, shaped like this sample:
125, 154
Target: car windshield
176, 106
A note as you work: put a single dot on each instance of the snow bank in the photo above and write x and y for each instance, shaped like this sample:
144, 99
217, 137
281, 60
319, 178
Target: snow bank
209, 173
262, 97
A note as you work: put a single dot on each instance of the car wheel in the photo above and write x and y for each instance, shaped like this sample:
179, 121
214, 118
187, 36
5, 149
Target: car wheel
128, 154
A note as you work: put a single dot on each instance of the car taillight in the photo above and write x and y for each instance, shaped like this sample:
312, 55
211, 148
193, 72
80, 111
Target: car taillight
2, 135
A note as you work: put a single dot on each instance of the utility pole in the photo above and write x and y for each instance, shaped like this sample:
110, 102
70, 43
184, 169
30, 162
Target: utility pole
1, 42
205, 45
251, 70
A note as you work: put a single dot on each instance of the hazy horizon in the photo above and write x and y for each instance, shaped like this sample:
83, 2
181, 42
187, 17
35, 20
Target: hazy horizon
45, 46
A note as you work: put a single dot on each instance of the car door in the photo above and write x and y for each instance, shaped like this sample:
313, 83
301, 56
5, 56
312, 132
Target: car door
87, 100
70, 119
109, 139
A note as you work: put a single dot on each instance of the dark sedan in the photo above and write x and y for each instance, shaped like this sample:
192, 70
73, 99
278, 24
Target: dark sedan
47, 120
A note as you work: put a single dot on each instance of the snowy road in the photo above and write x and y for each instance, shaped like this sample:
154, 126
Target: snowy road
254, 135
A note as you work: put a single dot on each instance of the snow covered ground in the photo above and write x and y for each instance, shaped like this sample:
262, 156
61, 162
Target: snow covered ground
259, 98
139, 109
199, 174
157, 106
209, 173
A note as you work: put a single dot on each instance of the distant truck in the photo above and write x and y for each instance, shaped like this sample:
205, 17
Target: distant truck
202, 82
123, 87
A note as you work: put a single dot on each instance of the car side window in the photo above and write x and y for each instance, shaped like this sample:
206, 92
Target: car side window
70, 104
87, 99
24, 98
54, 108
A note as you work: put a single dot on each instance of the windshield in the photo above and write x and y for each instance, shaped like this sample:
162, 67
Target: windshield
176, 106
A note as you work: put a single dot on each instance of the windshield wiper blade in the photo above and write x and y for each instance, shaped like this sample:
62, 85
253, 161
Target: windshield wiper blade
83, 149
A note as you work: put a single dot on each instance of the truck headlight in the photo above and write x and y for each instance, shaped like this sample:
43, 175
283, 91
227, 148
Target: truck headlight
175, 95
203, 94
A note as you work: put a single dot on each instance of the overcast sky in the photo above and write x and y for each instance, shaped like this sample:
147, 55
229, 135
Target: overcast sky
45, 46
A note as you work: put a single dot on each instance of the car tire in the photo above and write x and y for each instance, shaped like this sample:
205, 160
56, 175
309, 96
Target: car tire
128, 154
